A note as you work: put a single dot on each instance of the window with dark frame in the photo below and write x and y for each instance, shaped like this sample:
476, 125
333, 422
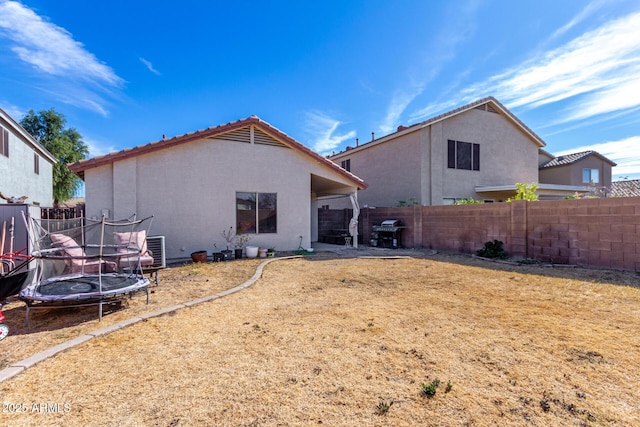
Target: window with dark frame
36, 164
256, 212
346, 165
463, 155
4, 142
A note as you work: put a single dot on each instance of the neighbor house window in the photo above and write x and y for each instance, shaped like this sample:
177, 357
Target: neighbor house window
36, 164
4, 142
590, 176
346, 165
463, 155
256, 213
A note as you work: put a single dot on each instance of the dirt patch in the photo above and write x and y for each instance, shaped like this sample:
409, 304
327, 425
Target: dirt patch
352, 342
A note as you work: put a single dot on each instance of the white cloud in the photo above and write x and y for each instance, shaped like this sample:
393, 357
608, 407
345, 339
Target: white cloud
601, 64
461, 27
398, 104
589, 10
149, 66
97, 148
14, 111
625, 153
56, 56
324, 130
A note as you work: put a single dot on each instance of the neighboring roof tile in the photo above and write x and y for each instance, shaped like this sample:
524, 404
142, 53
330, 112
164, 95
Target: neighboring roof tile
630, 188
82, 165
568, 159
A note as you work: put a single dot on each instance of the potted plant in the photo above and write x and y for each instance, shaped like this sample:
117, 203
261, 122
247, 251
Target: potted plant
271, 252
241, 240
252, 251
199, 256
217, 255
229, 237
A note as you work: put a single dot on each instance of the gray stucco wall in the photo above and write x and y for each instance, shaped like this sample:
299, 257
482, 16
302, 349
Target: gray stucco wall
414, 164
507, 155
190, 189
392, 171
17, 175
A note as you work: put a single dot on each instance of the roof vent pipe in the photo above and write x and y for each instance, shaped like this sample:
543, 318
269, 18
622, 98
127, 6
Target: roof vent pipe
356, 142
372, 136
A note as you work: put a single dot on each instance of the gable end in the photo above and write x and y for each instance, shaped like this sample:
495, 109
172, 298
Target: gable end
487, 107
250, 134
259, 137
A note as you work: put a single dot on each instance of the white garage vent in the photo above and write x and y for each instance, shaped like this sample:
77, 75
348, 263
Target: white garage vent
239, 135
260, 137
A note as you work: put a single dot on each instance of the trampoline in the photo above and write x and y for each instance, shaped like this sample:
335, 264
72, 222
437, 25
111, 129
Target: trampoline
89, 263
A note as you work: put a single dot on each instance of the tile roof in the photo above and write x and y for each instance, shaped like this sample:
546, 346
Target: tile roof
630, 188
568, 159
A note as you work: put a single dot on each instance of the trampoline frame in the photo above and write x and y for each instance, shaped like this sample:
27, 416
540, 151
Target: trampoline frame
105, 256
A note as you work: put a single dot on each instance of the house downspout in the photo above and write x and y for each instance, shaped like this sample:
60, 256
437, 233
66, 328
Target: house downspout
353, 224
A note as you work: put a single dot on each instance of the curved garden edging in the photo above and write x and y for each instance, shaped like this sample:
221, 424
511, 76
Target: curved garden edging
25, 364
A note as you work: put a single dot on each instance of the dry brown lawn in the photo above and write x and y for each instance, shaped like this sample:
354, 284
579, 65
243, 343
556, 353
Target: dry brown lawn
345, 342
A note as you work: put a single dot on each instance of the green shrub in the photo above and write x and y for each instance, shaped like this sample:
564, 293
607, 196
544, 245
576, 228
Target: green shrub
492, 250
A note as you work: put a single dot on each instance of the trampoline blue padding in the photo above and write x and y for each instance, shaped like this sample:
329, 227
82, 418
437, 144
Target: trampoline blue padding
83, 287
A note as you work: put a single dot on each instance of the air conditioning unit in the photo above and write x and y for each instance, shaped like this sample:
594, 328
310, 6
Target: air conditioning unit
155, 244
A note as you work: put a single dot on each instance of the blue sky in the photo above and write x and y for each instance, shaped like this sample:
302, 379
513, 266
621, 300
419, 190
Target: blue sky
326, 72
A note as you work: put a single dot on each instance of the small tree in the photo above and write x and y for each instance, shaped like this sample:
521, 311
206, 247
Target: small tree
525, 192
48, 128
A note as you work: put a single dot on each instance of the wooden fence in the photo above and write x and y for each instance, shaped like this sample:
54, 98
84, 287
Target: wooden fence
63, 213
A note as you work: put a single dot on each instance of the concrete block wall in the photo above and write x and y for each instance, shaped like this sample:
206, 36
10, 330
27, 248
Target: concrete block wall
592, 232
601, 233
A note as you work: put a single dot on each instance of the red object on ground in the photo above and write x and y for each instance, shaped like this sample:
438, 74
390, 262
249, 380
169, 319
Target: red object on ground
1, 316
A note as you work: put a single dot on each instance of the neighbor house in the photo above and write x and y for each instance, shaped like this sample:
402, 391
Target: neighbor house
479, 151
26, 167
246, 174
586, 168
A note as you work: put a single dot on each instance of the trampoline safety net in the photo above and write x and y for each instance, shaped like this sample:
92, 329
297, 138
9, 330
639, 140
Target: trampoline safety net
83, 261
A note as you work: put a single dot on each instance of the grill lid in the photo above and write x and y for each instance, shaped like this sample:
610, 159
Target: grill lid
390, 223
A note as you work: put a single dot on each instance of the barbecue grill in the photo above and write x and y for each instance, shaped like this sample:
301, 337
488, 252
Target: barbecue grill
387, 234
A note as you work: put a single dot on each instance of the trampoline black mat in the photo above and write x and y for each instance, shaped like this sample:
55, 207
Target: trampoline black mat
84, 287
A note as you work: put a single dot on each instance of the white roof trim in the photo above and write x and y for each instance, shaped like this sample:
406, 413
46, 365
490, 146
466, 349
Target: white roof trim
27, 137
495, 103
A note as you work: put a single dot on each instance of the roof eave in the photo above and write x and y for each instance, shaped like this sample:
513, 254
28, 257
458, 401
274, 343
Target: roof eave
80, 167
28, 137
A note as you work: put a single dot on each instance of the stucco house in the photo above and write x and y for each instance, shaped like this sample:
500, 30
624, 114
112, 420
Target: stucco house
587, 168
478, 151
245, 174
26, 167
